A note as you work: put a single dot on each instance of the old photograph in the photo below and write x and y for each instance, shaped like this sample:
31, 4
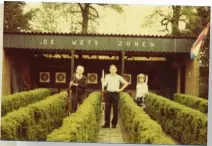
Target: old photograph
105, 73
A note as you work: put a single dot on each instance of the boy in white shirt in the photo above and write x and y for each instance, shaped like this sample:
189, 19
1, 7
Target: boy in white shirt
141, 89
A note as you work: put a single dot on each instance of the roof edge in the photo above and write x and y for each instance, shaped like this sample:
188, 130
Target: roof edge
103, 34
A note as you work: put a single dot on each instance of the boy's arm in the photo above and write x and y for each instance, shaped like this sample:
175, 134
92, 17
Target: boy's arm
72, 80
84, 83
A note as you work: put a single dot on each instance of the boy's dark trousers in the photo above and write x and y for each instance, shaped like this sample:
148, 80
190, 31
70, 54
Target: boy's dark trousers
111, 99
76, 99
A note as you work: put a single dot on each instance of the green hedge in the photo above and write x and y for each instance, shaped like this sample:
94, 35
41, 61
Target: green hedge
81, 126
194, 102
186, 125
35, 121
15, 101
139, 126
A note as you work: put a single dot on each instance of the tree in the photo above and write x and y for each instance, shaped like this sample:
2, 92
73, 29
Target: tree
89, 12
53, 17
194, 19
196, 23
14, 19
170, 16
79, 17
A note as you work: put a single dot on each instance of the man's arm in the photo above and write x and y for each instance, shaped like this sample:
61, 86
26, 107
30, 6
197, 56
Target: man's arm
137, 90
124, 86
123, 81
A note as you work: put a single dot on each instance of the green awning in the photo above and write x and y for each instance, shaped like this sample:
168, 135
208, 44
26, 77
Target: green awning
97, 42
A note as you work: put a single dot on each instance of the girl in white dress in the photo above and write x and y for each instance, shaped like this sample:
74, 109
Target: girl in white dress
141, 89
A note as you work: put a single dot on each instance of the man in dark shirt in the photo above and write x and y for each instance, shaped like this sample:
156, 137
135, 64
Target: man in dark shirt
78, 86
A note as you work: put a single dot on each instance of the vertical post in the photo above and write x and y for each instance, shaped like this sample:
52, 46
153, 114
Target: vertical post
72, 63
122, 62
178, 79
192, 77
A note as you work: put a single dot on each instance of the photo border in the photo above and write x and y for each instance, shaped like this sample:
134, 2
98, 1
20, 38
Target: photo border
150, 2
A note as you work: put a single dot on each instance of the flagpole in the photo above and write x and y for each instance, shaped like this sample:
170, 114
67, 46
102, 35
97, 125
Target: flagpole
103, 104
103, 80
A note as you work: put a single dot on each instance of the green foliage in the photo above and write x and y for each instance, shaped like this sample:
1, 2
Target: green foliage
117, 8
194, 102
81, 126
195, 19
186, 125
139, 126
14, 101
52, 17
36, 120
14, 18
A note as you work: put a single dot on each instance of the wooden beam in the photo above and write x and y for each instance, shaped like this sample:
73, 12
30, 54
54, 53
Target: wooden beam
72, 62
122, 62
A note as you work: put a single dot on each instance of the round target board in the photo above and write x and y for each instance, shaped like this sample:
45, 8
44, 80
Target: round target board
60, 77
127, 77
44, 77
92, 78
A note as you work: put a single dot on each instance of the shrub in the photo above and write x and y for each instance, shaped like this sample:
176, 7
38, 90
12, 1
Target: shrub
15, 101
139, 126
186, 125
35, 121
81, 126
194, 102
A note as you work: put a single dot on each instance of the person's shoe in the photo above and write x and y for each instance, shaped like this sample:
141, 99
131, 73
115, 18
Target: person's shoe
105, 126
113, 126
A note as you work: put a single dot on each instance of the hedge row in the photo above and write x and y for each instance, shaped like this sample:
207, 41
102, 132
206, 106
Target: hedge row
81, 126
139, 126
15, 101
35, 121
194, 102
186, 125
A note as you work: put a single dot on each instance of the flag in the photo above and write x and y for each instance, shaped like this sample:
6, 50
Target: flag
199, 42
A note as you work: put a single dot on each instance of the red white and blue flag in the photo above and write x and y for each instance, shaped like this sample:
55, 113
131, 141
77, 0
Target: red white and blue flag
199, 42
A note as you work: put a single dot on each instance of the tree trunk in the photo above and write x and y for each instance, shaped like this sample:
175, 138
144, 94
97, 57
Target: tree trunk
175, 20
85, 18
